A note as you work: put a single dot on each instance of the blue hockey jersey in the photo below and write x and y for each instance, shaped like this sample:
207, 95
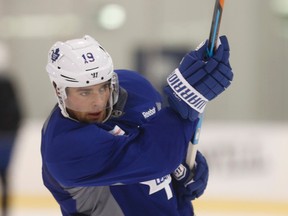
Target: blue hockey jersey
120, 167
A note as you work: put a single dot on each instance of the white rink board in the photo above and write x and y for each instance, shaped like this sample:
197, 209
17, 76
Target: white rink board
248, 163
246, 160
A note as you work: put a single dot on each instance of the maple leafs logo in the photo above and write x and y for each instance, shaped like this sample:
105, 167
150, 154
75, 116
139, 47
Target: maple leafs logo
55, 55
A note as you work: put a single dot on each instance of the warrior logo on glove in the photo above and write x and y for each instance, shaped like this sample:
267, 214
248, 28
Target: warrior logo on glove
186, 92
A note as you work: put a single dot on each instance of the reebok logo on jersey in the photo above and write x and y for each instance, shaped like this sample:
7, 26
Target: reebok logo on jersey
149, 113
186, 92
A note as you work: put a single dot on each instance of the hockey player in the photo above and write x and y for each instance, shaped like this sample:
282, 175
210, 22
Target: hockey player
109, 148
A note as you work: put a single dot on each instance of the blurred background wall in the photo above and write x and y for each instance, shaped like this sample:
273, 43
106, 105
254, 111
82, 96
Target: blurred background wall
245, 118
257, 32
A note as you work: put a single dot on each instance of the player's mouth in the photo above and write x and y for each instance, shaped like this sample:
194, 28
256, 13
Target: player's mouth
96, 116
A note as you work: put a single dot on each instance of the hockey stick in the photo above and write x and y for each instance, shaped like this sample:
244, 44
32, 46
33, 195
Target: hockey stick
212, 45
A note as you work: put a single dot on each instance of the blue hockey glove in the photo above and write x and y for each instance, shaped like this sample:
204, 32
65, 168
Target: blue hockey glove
198, 80
191, 184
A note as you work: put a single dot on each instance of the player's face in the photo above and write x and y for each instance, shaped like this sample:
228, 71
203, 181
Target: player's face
88, 104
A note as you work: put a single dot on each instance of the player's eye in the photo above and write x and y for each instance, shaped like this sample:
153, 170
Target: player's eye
104, 88
85, 93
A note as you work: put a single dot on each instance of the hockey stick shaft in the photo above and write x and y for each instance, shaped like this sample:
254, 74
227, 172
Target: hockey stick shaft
212, 45
215, 26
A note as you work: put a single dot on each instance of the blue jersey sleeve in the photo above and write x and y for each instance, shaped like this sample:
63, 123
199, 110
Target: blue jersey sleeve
86, 155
